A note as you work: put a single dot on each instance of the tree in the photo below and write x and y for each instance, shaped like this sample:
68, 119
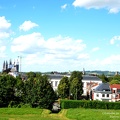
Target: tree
76, 85
7, 90
31, 74
39, 92
114, 82
63, 88
104, 78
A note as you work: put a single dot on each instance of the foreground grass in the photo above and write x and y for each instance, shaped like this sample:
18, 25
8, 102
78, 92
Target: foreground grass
30, 114
93, 114
65, 114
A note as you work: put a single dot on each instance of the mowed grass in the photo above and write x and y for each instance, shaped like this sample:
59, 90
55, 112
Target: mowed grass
65, 114
93, 114
30, 114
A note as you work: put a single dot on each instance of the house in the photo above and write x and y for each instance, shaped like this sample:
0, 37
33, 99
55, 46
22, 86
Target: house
102, 92
54, 80
88, 82
115, 89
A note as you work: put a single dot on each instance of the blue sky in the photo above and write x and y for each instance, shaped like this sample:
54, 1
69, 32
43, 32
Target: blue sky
61, 35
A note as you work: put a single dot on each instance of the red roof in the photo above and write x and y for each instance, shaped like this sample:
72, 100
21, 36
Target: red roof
115, 86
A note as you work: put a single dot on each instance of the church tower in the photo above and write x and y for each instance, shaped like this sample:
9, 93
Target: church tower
10, 64
17, 66
4, 66
84, 71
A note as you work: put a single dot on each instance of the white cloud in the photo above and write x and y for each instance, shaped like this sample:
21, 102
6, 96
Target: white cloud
4, 24
83, 56
95, 49
4, 28
58, 53
113, 59
27, 25
63, 6
2, 51
54, 51
112, 5
27, 43
114, 39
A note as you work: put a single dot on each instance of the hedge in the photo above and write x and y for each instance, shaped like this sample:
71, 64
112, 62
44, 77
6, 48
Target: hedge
66, 104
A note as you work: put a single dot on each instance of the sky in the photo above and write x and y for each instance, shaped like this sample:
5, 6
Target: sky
60, 35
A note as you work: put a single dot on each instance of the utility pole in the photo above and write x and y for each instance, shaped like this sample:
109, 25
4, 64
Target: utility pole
20, 60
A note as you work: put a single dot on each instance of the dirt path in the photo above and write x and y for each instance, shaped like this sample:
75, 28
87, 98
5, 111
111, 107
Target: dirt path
58, 116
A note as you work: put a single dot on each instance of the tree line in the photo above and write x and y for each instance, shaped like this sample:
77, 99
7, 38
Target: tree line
37, 90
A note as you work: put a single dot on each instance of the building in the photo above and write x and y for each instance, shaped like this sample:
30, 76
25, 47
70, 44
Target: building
55, 79
11, 68
106, 92
88, 82
115, 89
102, 92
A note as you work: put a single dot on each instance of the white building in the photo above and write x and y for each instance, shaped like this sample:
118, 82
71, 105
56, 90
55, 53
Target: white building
88, 81
55, 80
102, 93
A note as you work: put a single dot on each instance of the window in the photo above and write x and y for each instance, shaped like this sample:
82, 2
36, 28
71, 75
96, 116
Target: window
103, 95
56, 83
97, 95
107, 95
113, 91
118, 90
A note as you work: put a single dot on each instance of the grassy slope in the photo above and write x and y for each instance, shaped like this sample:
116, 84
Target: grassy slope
30, 114
93, 114
66, 114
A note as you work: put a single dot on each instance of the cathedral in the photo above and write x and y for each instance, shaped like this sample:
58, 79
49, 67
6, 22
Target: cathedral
11, 68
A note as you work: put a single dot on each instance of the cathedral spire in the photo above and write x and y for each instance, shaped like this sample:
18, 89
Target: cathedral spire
4, 66
10, 64
84, 71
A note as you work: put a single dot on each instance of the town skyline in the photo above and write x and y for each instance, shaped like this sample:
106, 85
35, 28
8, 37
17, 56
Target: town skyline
61, 35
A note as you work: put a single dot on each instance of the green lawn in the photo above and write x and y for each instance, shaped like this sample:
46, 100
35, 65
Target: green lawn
65, 114
30, 114
93, 114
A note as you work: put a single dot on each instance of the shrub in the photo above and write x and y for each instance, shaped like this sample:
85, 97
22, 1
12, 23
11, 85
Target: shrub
66, 104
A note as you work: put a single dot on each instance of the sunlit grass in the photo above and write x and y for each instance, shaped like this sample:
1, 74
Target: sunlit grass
93, 114
65, 114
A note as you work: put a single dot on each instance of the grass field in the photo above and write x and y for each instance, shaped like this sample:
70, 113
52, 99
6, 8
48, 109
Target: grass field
66, 114
93, 114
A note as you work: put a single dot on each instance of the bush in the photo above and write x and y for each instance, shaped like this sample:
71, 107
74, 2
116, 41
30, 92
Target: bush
66, 104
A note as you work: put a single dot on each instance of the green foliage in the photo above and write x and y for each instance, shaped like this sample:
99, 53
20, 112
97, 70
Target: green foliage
66, 104
114, 82
7, 90
76, 85
63, 88
115, 78
38, 92
104, 78
35, 91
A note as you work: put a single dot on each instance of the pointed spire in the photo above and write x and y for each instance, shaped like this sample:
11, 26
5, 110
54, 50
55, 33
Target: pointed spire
83, 71
4, 65
10, 64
